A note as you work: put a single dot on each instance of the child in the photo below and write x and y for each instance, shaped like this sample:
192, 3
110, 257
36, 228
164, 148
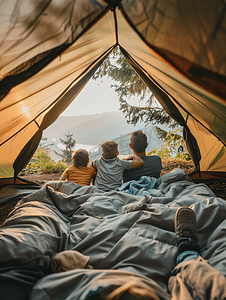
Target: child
80, 173
110, 168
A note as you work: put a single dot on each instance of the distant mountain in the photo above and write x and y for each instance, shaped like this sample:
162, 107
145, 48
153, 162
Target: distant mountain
90, 129
63, 124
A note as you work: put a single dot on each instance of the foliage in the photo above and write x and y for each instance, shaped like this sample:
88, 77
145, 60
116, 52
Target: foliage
69, 145
172, 140
42, 162
41, 156
128, 84
51, 167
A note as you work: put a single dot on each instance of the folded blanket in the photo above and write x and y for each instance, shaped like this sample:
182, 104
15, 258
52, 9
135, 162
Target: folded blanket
140, 187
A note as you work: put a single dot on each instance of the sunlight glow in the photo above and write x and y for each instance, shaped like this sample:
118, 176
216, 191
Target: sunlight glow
25, 110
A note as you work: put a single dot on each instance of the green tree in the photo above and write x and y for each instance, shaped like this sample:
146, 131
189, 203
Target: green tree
42, 156
69, 144
172, 140
41, 162
128, 85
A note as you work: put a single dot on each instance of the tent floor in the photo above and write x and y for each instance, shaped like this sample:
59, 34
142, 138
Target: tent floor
219, 189
5, 209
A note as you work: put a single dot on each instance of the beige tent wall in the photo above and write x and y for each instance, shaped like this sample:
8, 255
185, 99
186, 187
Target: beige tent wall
203, 106
29, 28
213, 152
31, 100
11, 149
190, 35
192, 29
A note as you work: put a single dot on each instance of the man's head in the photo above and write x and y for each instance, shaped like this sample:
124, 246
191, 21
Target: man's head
138, 141
80, 157
109, 149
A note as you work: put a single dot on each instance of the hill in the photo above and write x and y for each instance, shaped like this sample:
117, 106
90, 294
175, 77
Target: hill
90, 129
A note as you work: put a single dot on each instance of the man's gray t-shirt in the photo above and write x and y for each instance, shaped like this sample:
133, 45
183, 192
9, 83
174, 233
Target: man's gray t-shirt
152, 167
109, 172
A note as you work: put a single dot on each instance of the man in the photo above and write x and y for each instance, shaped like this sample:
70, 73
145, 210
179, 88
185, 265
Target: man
152, 164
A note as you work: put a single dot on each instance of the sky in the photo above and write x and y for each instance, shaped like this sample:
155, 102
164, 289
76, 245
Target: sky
95, 98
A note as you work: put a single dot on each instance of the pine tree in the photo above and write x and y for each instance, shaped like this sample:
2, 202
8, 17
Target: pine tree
69, 144
127, 85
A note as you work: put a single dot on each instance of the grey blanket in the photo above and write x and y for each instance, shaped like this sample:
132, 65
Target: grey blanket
116, 230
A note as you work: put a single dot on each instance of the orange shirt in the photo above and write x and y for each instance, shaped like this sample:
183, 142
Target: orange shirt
81, 175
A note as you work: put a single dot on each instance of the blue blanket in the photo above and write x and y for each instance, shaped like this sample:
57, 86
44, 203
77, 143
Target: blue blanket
143, 186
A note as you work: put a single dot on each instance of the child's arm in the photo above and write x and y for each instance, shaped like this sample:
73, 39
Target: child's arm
137, 161
93, 165
63, 177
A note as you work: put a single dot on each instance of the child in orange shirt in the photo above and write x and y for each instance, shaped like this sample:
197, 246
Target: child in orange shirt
80, 173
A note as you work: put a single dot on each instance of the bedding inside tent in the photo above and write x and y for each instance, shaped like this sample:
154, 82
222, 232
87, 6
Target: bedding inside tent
49, 50
111, 231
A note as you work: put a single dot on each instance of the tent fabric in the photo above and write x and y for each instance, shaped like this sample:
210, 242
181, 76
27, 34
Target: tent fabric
50, 49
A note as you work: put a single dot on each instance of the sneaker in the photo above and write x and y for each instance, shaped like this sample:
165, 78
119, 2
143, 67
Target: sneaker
185, 229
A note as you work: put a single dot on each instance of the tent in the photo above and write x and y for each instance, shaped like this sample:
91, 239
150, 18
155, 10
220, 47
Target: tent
50, 49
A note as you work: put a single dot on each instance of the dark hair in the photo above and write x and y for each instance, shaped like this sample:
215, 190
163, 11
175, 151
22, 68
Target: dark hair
138, 141
109, 149
80, 157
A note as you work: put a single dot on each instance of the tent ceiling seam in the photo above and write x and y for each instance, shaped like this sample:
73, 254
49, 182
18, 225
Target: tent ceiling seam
37, 124
113, 3
116, 27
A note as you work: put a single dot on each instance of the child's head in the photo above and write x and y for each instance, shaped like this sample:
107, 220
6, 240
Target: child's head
80, 157
109, 149
138, 141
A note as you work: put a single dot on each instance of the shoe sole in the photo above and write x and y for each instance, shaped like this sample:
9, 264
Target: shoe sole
191, 217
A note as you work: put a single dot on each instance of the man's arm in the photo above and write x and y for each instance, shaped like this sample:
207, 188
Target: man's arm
137, 161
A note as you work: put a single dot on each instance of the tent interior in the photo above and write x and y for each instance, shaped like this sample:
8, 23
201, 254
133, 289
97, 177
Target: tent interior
49, 51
